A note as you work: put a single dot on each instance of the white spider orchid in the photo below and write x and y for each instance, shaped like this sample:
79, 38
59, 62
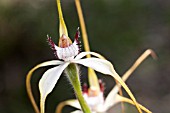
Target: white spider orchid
51, 76
68, 56
94, 94
96, 100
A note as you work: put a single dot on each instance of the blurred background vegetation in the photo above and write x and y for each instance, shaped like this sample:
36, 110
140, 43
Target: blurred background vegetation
121, 30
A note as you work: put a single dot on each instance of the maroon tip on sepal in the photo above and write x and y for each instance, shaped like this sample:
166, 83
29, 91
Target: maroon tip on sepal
52, 44
77, 35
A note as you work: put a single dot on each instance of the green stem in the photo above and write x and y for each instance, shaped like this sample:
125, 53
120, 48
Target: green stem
73, 75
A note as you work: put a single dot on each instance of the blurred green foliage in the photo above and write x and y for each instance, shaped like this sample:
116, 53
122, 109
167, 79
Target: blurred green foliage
118, 29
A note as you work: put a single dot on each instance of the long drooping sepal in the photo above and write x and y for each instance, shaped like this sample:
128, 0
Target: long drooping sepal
48, 81
73, 75
73, 102
114, 91
28, 81
138, 62
106, 67
115, 99
124, 99
62, 27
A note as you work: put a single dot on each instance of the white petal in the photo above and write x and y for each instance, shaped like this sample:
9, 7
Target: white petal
111, 98
29, 75
83, 54
48, 81
106, 67
49, 63
97, 64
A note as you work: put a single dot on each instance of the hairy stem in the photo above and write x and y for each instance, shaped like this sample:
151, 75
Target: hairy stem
73, 75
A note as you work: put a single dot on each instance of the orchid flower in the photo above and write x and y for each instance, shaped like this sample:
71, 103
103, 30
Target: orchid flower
96, 99
67, 57
94, 94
